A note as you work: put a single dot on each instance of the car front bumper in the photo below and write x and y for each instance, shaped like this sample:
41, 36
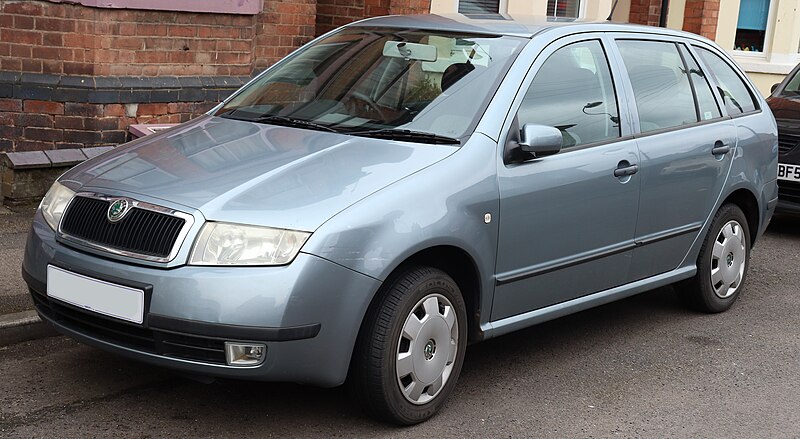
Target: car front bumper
307, 313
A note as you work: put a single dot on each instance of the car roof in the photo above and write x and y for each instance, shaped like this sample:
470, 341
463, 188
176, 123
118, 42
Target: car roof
525, 26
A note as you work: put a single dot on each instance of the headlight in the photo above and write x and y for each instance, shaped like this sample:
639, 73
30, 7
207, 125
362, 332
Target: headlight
233, 244
54, 203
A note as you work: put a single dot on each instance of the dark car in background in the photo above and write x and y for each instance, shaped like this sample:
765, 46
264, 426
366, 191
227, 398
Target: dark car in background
785, 105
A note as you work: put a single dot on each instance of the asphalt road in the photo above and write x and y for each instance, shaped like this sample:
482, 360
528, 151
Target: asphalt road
643, 367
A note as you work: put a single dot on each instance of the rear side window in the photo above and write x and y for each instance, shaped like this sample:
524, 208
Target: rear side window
734, 92
660, 84
573, 91
706, 104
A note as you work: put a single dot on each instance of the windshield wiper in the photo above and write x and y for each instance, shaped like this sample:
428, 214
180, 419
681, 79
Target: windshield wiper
407, 135
285, 121
293, 122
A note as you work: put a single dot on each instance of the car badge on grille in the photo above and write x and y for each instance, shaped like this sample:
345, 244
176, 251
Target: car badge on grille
118, 209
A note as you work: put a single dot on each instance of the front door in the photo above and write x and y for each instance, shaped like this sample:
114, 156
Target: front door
567, 221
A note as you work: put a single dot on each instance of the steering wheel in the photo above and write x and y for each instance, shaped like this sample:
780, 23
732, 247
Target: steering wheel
368, 104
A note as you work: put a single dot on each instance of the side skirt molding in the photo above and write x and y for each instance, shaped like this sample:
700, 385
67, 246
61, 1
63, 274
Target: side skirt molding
530, 318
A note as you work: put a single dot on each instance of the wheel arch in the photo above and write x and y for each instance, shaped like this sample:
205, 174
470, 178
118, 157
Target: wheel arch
746, 200
459, 265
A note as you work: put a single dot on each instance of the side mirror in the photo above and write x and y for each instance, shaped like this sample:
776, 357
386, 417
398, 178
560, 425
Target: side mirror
774, 87
540, 140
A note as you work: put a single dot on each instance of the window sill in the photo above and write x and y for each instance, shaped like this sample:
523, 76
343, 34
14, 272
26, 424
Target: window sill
242, 7
758, 62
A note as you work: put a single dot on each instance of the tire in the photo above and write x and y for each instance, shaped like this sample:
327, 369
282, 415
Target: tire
410, 349
722, 264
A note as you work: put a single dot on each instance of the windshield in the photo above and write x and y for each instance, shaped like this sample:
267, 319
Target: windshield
362, 80
793, 86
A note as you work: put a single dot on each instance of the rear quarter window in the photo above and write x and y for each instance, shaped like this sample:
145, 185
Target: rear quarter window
733, 91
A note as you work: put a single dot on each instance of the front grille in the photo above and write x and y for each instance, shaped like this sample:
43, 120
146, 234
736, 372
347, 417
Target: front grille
141, 231
150, 340
787, 142
789, 191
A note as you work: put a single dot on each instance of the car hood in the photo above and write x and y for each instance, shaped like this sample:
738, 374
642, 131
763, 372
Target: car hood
253, 173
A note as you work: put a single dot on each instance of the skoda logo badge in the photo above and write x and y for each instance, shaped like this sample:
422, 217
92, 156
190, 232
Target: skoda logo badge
118, 209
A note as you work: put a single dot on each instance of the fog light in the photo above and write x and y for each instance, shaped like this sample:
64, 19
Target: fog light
240, 354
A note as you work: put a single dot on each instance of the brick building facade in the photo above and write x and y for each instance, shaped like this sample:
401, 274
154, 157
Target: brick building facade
699, 16
73, 76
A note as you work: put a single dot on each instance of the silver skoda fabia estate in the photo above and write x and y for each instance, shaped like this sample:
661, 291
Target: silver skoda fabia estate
405, 186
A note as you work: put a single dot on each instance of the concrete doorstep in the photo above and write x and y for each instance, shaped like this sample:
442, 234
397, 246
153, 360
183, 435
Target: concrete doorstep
23, 326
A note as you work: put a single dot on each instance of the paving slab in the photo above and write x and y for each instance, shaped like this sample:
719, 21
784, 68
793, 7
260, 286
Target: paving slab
14, 225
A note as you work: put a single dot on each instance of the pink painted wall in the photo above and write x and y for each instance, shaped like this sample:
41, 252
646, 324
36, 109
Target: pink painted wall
246, 7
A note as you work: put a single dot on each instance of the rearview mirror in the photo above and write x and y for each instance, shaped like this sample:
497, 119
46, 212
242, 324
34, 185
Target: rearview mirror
540, 140
410, 51
773, 88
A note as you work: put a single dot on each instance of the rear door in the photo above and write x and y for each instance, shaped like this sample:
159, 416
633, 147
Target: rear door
686, 144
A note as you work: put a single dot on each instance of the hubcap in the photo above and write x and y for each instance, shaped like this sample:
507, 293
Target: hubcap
728, 260
427, 348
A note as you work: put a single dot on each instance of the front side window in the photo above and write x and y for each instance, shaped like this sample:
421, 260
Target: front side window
733, 91
563, 8
660, 84
362, 80
573, 91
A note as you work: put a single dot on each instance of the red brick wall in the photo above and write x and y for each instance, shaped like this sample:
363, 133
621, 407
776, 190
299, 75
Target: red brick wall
32, 125
645, 12
43, 37
282, 27
406, 7
39, 36
334, 13
701, 17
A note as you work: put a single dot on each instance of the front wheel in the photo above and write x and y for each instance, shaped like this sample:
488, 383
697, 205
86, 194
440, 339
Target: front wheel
722, 263
411, 347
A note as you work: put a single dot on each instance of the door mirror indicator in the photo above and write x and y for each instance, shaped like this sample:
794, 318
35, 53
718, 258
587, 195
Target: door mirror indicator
540, 140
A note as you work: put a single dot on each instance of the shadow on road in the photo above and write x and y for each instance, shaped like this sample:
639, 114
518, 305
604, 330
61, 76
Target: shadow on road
785, 225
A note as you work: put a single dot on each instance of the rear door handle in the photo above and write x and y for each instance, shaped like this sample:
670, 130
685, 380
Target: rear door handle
720, 148
626, 171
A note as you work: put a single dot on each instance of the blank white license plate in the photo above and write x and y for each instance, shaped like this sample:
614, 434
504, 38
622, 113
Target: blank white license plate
95, 295
788, 172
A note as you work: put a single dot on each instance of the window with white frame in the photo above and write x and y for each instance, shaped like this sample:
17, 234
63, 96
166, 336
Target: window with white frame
751, 29
563, 8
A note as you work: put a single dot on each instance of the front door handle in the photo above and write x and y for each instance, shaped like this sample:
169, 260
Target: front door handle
720, 148
625, 171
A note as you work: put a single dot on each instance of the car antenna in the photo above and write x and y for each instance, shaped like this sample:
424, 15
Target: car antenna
614, 6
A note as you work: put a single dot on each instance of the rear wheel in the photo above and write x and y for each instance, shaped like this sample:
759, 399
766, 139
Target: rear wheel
722, 263
411, 347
